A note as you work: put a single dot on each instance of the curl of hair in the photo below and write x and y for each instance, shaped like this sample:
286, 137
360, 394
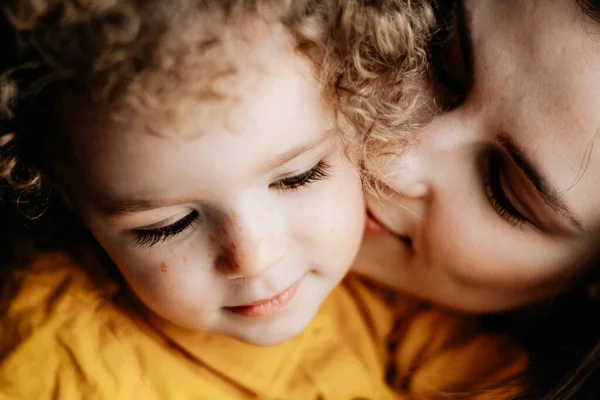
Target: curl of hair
380, 64
367, 54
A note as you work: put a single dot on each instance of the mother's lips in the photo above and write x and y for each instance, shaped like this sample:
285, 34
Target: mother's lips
374, 228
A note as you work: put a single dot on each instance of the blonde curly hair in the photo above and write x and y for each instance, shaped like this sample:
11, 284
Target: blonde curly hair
134, 53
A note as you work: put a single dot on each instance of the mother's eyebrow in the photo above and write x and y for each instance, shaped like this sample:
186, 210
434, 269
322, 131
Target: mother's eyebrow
533, 173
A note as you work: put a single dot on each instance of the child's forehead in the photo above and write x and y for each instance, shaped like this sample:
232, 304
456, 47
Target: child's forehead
190, 104
277, 113
219, 75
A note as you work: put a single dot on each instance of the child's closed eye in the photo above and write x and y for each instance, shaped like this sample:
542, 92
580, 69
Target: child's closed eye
154, 236
319, 172
151, 237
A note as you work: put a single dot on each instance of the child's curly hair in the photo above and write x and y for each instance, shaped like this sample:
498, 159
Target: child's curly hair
135, 53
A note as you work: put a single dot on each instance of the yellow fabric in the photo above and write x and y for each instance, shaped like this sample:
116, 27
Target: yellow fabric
441, 355
70, 334
67, 336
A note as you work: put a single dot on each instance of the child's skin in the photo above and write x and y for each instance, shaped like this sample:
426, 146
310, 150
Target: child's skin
262, 201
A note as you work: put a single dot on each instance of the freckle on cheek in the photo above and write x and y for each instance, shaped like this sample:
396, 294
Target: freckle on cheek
170, 250
184, 259
174, 285
163, 267
332, 230
233, 246
308, 239
241, 228
224, 231
234, 215
211, 238
270, 209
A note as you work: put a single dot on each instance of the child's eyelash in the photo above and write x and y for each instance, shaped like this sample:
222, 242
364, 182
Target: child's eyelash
316, 173
151, 237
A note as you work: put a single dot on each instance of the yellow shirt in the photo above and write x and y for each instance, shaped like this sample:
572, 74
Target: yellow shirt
66, 333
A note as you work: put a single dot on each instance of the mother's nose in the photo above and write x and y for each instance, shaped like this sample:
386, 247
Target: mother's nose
409, 175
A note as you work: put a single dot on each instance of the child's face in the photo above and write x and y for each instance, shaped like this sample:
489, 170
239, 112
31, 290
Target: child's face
243, 229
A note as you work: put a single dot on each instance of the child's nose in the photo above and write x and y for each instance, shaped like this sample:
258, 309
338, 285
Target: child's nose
256, 243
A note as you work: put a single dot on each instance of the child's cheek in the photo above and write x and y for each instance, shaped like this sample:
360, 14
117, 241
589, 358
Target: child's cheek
180, 280
337, 223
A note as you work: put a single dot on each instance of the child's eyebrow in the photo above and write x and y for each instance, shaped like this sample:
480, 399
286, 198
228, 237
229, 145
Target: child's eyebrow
113, 209
294, 152
116, 209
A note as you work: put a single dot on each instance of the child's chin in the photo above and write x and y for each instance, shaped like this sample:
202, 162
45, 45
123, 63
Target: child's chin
274, 332
267, 341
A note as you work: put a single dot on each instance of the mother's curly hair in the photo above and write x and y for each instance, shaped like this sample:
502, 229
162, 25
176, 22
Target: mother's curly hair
136, 52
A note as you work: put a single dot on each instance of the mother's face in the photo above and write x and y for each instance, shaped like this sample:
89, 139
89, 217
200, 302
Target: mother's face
500, 201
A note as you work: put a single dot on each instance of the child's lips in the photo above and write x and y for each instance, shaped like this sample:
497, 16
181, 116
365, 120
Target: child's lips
268, 307
375, 228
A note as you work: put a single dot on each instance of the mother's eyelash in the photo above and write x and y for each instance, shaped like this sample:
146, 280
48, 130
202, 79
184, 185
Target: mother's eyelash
497, 196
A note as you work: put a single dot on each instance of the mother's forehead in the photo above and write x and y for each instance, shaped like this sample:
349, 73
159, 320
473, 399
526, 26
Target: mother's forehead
537, 69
